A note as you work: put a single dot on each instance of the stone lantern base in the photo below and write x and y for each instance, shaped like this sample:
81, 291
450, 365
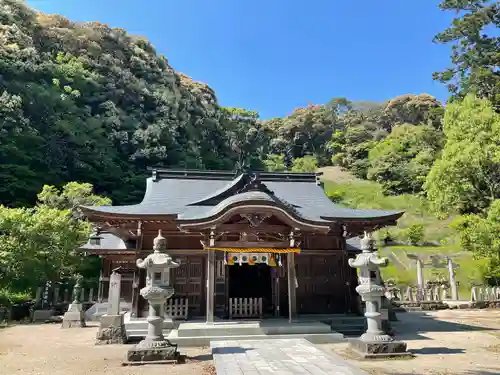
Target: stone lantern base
74, 317
379, 349
148, 351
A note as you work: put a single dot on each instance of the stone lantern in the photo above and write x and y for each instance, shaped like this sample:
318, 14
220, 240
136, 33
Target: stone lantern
155, 347
374, 343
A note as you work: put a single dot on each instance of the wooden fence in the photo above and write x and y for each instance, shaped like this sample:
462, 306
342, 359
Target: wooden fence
245, 308
177, 308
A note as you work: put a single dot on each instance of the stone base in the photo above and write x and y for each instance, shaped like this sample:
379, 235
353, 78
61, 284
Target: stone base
42, 315
111, 330
375, 349
73, 319
153, 351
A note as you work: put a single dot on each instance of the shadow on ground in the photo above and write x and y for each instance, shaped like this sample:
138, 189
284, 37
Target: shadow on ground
413, 326
437, 350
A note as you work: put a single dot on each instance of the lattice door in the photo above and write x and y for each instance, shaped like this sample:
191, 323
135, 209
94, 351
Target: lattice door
189, 282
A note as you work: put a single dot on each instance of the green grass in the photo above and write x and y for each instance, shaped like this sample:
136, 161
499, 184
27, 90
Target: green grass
356, 193
468, 272
368, 195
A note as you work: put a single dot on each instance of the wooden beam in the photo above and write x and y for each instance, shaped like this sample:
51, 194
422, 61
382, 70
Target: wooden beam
264, 228
250, 244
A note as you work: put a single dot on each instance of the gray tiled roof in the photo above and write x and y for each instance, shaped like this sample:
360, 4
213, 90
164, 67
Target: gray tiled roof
108, 241
191, 196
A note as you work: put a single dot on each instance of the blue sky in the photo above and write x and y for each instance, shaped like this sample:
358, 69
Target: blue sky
275, 55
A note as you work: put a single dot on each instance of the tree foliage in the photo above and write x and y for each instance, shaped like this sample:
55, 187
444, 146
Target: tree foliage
466, 178
480, 234
475, 49
400, 162
39, 244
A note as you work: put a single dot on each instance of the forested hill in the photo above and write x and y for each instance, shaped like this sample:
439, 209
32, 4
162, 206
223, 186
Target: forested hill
85, 102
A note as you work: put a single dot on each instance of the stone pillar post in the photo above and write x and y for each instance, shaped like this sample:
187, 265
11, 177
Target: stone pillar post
420, 281
374, 342
112, 328
453, 282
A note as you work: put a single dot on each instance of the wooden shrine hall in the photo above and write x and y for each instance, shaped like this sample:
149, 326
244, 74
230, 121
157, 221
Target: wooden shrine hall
253, 245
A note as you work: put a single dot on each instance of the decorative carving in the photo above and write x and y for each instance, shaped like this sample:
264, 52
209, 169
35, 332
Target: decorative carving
255, 184
256, 220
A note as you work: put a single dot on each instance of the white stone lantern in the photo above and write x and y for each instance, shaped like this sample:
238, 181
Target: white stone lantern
154, 347
374, 342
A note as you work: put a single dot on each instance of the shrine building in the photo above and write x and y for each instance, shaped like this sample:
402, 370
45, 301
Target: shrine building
253, 245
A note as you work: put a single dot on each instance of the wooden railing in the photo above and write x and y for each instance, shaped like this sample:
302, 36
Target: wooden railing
177, 308
245, 308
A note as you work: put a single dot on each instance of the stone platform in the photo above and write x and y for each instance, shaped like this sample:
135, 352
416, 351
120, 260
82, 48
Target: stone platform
201, 334
272, 357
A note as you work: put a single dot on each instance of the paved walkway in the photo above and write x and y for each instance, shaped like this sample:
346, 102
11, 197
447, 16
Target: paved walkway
277, 357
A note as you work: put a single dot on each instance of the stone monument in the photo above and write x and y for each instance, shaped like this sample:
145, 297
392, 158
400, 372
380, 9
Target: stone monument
374, 343
112, 327
74, 317
155, 348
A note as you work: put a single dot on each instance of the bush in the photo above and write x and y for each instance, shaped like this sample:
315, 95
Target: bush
8, 298
335, 196
415, 234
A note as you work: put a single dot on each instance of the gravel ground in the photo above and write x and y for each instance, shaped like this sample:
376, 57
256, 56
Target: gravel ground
47, 349
449, 342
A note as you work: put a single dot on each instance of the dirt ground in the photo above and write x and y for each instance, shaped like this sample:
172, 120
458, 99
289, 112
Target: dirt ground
46, 349
445, 343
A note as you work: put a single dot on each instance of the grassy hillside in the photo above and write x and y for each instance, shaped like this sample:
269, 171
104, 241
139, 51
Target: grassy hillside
439, 238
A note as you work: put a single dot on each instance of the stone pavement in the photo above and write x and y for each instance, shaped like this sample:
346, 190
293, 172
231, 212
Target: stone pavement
277, 357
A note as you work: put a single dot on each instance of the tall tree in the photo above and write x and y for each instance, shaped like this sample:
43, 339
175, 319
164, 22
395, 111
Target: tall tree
475, 49
400, 162
466, 178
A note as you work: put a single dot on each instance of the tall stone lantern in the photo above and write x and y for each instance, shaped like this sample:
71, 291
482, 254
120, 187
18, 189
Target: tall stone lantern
155, 347
374, 343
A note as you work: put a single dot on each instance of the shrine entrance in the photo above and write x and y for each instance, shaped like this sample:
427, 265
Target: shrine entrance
250, 290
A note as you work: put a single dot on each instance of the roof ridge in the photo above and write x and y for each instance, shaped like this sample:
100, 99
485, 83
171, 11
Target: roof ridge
160, 173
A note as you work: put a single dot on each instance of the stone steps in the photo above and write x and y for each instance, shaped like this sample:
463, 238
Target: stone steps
315, 338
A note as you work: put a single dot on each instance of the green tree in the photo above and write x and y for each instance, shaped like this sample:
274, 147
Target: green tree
246, 137
38, 244
466, 177
275, 163
480, 234
307, 163
475, 49
401, 162
72, 195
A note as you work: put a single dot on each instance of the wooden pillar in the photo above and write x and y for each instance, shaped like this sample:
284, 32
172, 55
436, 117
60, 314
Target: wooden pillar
211, 280
136, 283
292, 295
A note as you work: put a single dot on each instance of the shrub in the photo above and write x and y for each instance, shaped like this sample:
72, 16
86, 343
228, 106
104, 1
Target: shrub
415, 234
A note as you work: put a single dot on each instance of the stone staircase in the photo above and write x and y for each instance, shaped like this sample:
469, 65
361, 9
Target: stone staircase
98, 309
201, 334
349, 326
